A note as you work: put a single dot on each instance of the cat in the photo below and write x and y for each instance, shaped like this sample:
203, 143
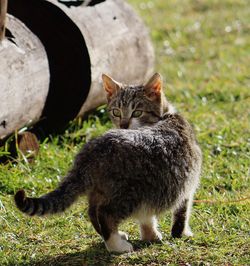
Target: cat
128, 172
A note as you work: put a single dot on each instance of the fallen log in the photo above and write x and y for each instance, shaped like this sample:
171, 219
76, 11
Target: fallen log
53, 55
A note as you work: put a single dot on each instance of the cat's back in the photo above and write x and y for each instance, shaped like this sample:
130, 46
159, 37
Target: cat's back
168, 136
172, 131
159, 158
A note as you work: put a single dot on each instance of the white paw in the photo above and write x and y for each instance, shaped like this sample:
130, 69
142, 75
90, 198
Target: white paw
188, 232
123, 235
158, 235
117, 243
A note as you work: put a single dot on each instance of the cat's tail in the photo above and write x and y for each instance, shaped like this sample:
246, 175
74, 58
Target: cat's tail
53, 202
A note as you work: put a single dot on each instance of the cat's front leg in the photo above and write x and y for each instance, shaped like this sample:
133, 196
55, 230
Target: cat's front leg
118, 243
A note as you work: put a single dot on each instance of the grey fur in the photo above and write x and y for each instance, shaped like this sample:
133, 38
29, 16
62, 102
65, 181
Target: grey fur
136, 172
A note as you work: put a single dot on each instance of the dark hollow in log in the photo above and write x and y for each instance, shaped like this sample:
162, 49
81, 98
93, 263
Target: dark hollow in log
68, 58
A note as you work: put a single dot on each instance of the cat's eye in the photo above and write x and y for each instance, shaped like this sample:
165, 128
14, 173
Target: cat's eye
137, 113
116, 112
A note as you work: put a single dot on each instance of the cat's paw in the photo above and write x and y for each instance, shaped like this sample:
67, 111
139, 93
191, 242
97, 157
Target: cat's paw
158, 236
116, 243
187, 232
123, 235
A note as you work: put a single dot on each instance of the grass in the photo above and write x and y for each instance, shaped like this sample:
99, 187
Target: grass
203, 52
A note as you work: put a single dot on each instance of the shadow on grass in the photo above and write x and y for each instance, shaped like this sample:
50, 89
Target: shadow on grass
94, 255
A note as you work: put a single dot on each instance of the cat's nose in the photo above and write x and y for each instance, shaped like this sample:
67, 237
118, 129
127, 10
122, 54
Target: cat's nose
124, 125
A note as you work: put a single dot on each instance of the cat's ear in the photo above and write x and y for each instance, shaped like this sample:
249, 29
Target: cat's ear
153, 87
110, 85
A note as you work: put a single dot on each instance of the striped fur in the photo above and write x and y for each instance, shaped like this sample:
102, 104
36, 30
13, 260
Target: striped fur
55, 201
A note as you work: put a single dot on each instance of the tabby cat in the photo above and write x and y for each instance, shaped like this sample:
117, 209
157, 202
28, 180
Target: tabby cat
138, 172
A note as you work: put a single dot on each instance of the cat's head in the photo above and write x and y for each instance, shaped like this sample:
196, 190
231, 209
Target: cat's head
132, 106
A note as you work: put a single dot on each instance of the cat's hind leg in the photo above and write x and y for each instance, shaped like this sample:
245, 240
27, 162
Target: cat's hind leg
92, 211
115, 241
149, 228
95, 198
181, 215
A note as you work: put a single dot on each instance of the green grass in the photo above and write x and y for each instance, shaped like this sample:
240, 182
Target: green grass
203, 52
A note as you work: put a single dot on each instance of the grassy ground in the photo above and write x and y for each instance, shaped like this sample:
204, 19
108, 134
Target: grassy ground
203, 51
